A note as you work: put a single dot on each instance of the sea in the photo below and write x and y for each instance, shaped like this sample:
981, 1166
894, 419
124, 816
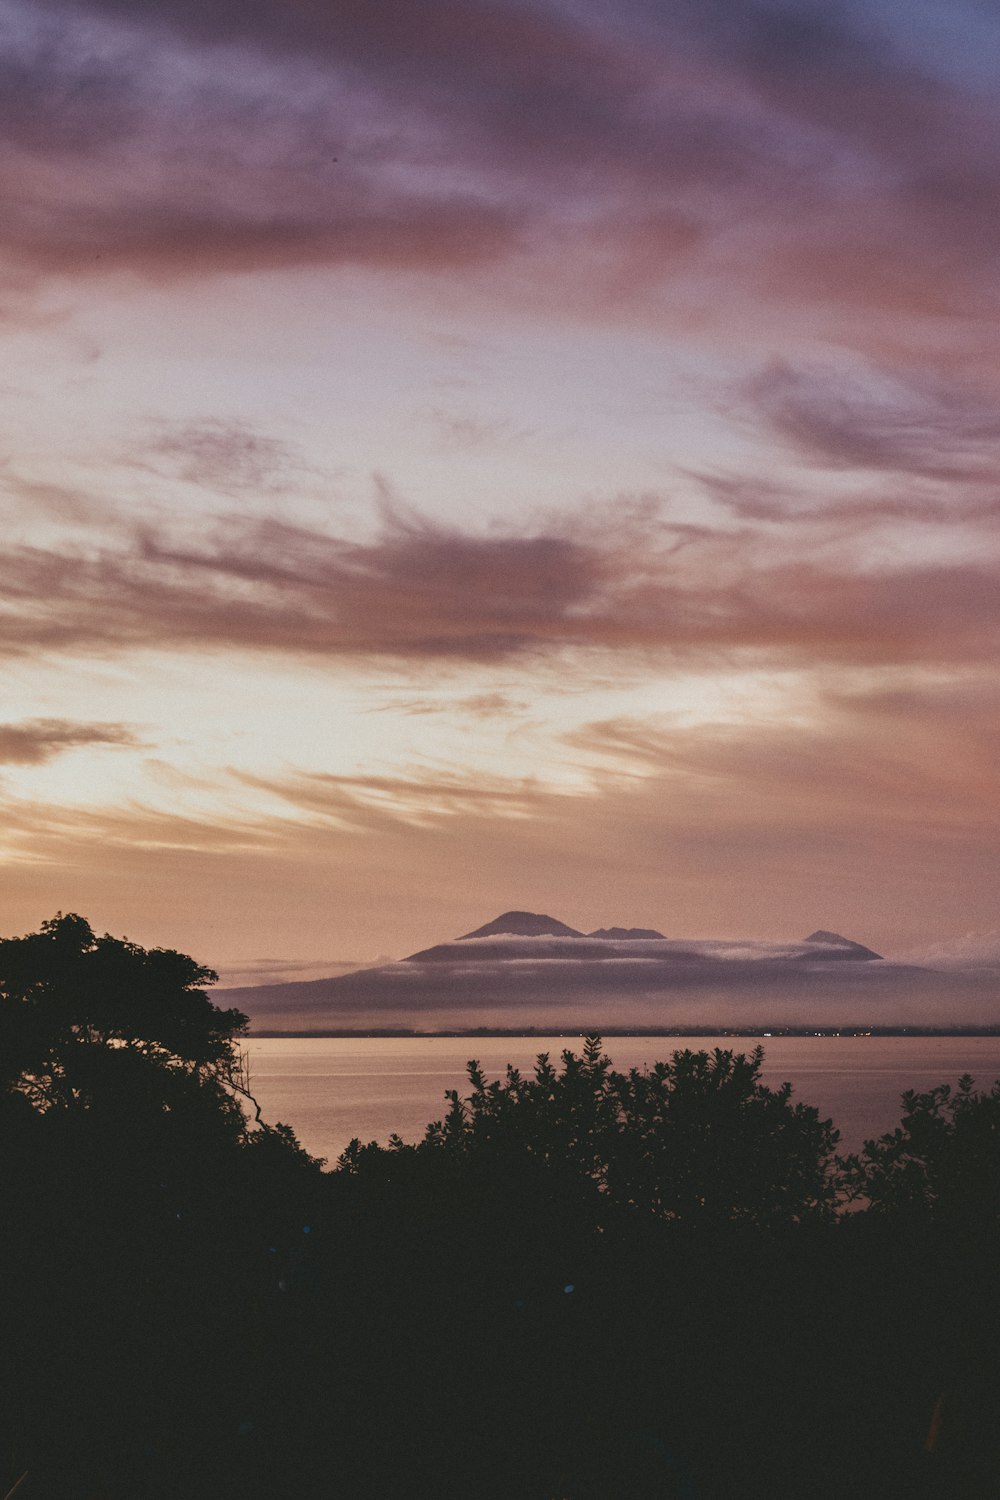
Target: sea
332, 1089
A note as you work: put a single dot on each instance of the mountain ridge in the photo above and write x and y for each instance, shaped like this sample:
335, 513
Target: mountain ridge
521, 924
624, 934
545, 972
530, 924
835, 940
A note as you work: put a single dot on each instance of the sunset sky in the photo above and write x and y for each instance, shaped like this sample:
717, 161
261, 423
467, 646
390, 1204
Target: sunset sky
463, 455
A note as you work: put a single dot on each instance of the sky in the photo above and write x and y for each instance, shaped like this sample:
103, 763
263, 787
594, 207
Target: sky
462, 455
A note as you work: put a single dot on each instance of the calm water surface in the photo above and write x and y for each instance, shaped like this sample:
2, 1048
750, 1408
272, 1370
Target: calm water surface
331, 1089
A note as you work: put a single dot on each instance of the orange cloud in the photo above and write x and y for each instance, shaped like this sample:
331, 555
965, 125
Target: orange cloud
875, 817
35, 741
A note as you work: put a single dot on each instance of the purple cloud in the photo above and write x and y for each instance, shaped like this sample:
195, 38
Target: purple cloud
421, 591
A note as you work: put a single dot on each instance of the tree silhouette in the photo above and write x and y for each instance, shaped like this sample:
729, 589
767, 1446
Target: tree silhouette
142, 1214
703, 1139
699, 1139
942, 1162
580, 1283
127, 1035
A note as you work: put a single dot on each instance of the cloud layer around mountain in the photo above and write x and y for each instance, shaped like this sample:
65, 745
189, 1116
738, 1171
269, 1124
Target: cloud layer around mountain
684, 987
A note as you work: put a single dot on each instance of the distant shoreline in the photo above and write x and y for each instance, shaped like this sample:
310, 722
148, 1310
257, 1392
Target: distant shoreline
757, 1033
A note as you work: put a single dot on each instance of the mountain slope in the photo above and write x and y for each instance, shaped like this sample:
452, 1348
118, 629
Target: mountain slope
521, 924
623, 934
529, 969
842, 947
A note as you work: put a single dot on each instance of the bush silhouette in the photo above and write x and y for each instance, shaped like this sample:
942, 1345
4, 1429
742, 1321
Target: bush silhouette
698, 1140
940, 1165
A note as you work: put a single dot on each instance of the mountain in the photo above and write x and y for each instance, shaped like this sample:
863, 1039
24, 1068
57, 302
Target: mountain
843, 947
530, 924
521, 924
527, 969
622, 934
519, 937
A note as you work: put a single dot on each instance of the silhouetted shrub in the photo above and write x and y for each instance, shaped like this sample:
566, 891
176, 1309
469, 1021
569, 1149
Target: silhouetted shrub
696, 1140
942, 1162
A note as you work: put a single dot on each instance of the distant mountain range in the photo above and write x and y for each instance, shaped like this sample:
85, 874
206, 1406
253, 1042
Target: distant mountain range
533, 924
530, 969
519, 935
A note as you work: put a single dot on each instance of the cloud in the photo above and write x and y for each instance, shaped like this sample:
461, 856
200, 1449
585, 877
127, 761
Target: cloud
865, 807
919, 426
57, 99
603, 993
64, 503
886, 761
492, 705
497, 705
374, 802
696, 161
462, 432
881, 451
964, 503
489, 41
170, 241
423, 592
225, 456
255, 971
974, 950
513, 82
124, 154
33, 742
418, 590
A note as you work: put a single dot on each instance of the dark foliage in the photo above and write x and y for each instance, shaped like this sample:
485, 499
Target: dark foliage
581, 1285
941, 1164
698, 1140
103, 1027
137, 1204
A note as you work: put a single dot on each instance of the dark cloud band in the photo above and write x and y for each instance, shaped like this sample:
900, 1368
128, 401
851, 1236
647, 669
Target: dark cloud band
420, 591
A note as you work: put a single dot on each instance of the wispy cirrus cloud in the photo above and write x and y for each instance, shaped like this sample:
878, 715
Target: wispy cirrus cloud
33, 742
882, 761
423, 796
918, 425
869, 810
865, 448
422, 591
495, 705
223, 456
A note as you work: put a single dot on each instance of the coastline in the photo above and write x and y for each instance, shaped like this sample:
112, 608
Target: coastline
751, 1032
